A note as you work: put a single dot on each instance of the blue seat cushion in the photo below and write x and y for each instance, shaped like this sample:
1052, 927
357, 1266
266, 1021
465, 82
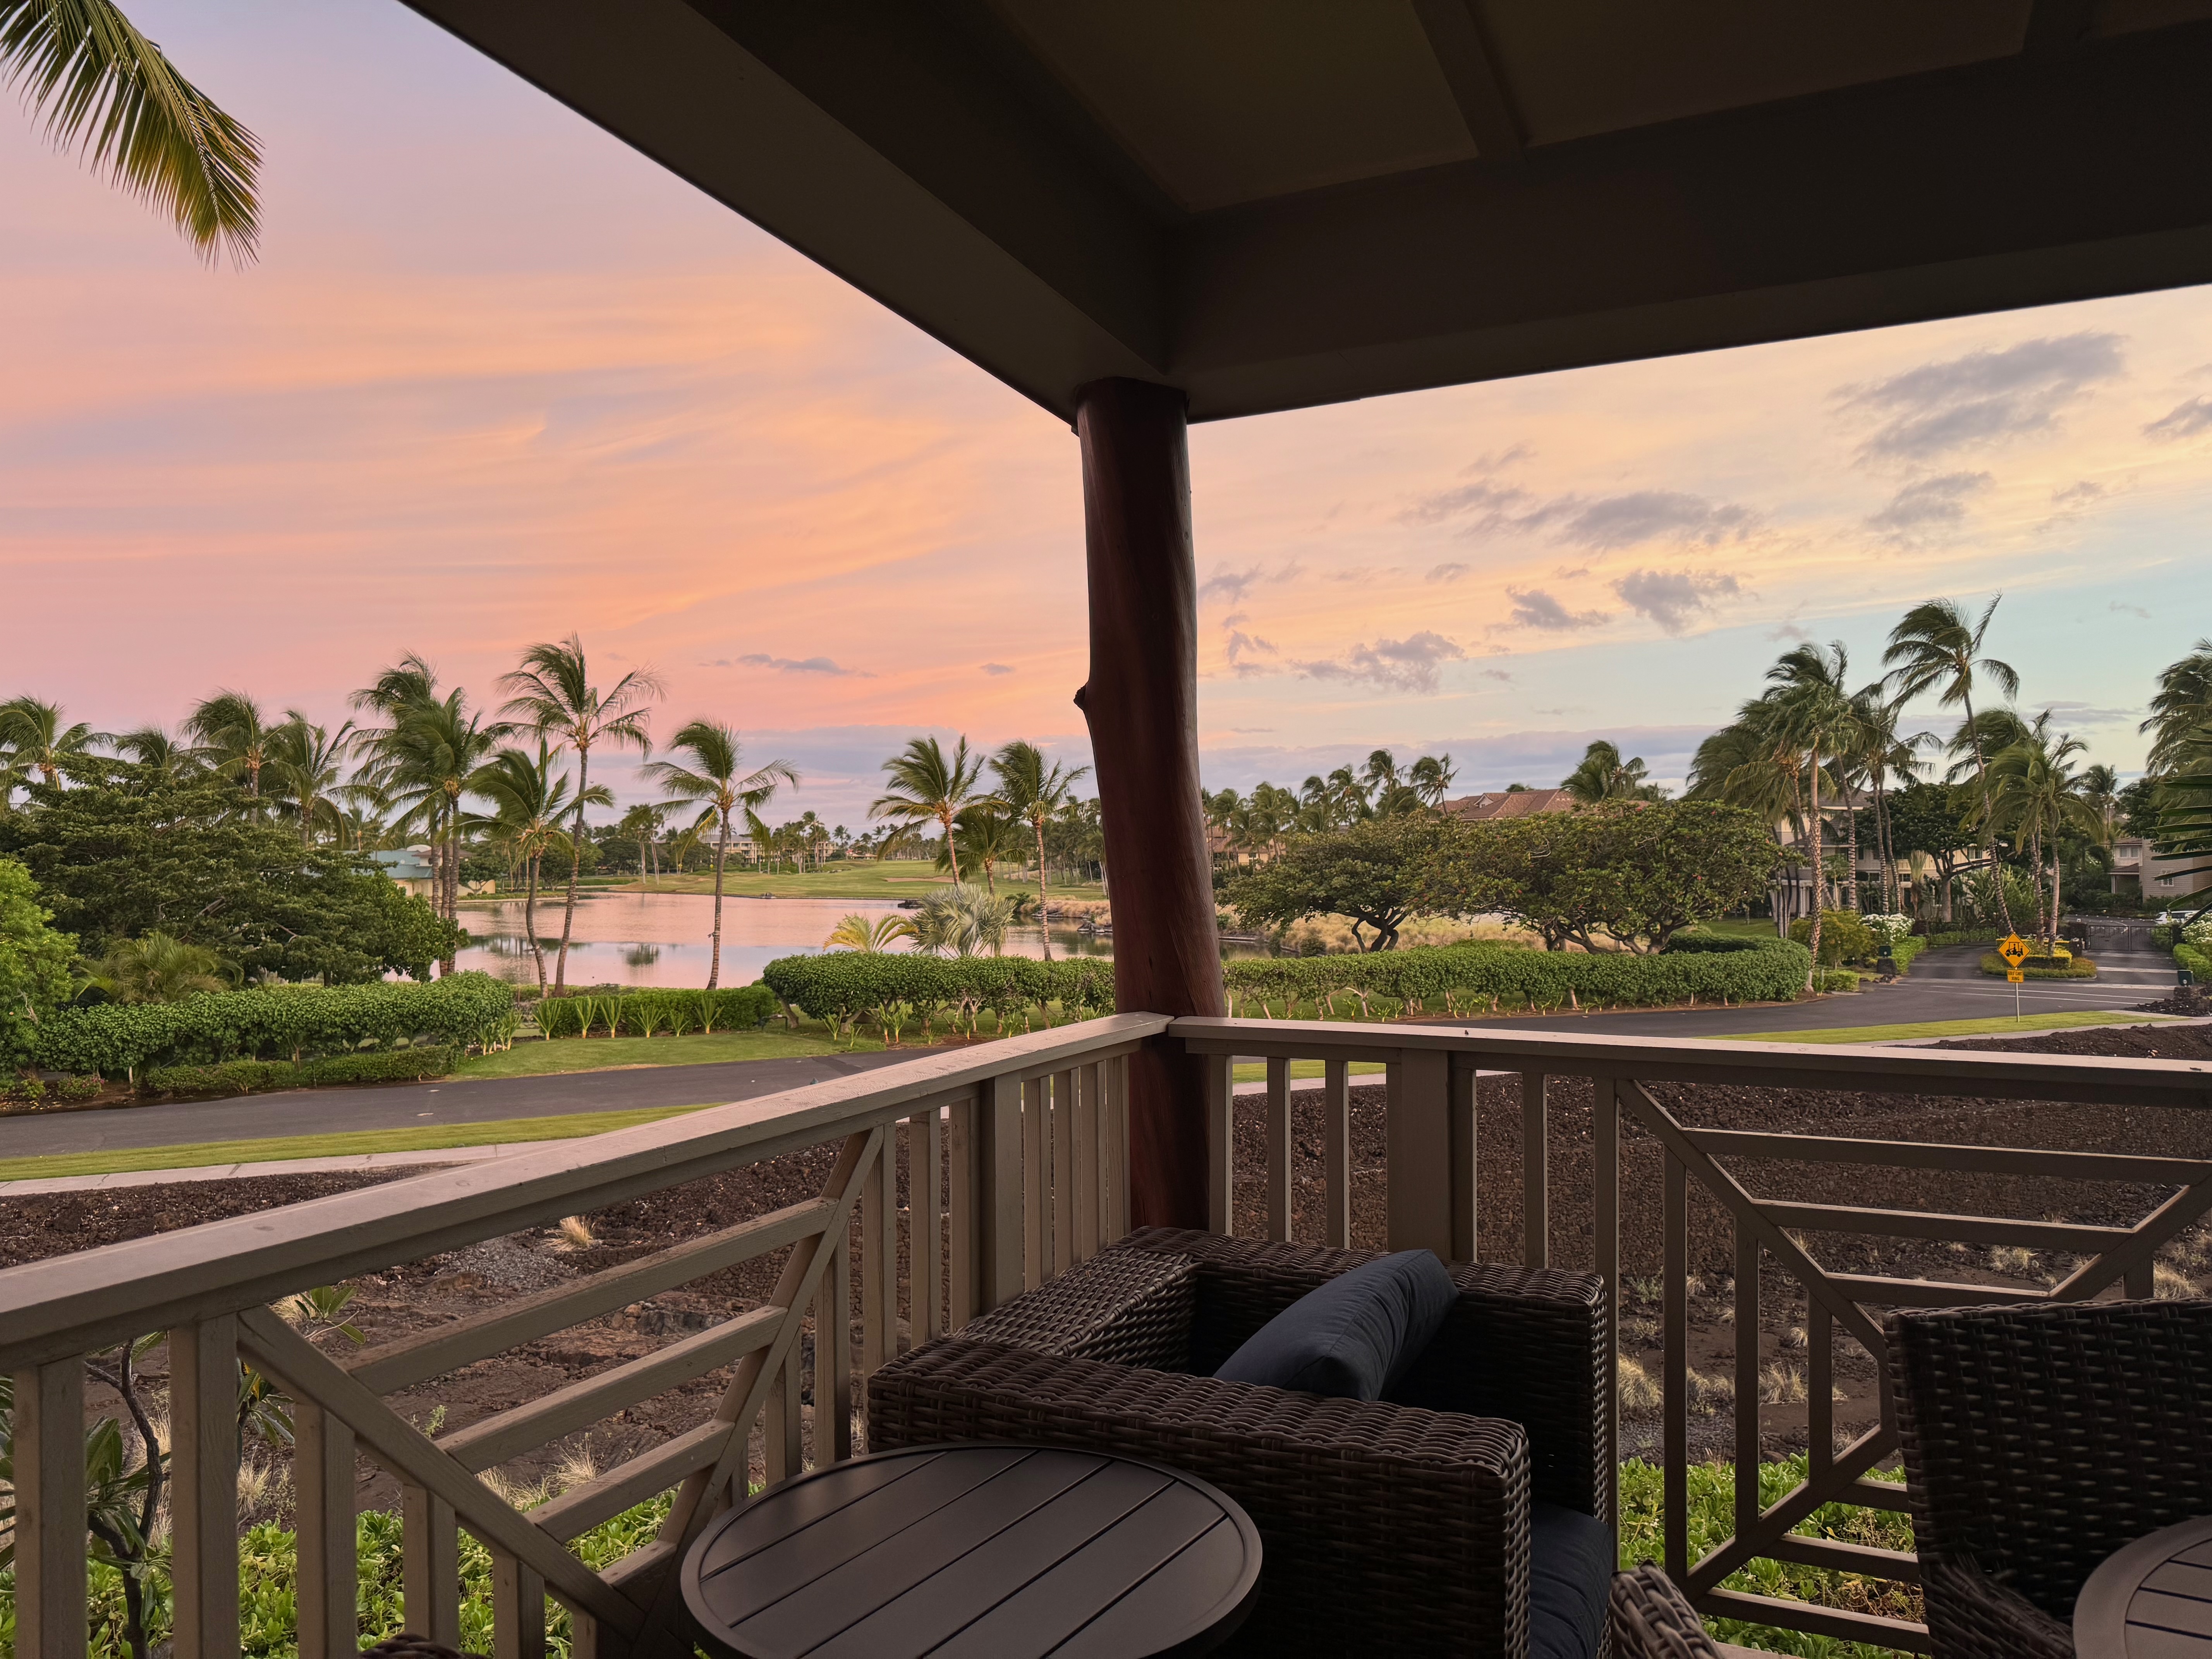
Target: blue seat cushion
1353, 1337
1570, 1580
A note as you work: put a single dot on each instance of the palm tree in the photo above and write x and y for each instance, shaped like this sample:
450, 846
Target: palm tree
553, 694
528, 801
150, 746
2035, 796
106, 89
991, 836
1879, 751
1432, 776
962, 920
857, 933
642, 824
1814, 713
33, 740
1935, 646
2181, 705
1033, 791
2100, 788
426, 763
160, 968
1602, 775
234, 738
306, 763
712, 784
925, 787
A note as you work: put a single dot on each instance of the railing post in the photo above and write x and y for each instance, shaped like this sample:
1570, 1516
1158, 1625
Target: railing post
430, 1566
322, 1483
1087, 1091
1464, 1189
1605, 1167
518, 1609
833, 1341
1220, 1144
999, 1227
204, 1486
1536, 1187
1421, 1173
1037, 1181
1279, 1188
964, 1182
1063, 1253
50, 1529
1746, 1380
1675, 1390
878, 1263
1336, 1135
925, 1177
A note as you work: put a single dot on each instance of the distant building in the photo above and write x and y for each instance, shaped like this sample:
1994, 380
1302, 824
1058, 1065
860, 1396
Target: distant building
410, 867
1510, 803
2137, 869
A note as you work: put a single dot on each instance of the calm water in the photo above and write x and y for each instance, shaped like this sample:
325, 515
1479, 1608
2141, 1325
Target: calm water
661, 938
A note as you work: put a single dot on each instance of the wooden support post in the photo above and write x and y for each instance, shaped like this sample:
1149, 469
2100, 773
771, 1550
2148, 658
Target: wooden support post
1280, 1187
924, 1185
1465, 1188
1220, 1086
322, 1483
204, 1486
998, 1163
1336, 1135
1141, 701
1418, 1214
518, 1609
964, 1184
1536, 1212
50, 1530
430, 1566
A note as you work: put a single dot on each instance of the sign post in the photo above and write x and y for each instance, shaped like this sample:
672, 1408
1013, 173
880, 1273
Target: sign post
2014, 949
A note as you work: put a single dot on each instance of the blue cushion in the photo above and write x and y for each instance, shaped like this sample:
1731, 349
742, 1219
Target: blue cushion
1570, 1579
1351, 1338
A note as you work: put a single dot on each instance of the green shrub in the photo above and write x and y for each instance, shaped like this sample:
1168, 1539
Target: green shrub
842, 987
2161, 936
230, 1077
2197, 962
382, 1065
2041, 967
1843, 937
286, 1022
653, 1012
1691, 941
254, 1077
1837, 979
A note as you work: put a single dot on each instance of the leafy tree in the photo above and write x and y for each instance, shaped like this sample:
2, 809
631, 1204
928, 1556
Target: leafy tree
551, 692
1374, 874
34, 964
106, 89
712, 784
928, 787
1033, 791
127, 852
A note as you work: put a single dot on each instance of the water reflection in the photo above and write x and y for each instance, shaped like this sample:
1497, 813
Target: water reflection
660, 938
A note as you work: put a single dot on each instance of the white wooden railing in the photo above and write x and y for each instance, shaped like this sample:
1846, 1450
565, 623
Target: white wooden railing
1014, 1158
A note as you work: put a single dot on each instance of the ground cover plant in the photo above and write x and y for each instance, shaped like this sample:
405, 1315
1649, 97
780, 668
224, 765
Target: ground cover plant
656, 1013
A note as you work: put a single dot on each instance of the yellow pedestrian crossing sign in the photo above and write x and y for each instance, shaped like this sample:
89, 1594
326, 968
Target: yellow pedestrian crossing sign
2013, 951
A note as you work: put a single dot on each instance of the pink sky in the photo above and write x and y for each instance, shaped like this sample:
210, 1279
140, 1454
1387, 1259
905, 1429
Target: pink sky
496, 378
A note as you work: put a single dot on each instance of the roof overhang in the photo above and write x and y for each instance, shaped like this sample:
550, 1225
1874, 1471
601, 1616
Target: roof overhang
1059, 213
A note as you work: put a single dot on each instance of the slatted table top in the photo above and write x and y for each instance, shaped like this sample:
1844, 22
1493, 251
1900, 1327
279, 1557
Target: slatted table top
977, 1552
2152, 1600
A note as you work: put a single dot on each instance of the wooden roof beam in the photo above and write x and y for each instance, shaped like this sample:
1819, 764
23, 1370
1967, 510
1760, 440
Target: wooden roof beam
1462, 51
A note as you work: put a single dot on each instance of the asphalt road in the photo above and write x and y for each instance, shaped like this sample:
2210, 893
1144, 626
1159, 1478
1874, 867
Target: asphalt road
1943, 985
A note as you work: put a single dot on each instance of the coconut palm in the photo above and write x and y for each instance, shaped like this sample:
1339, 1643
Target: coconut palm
234, 738
928, 788
857, 933
1033, 790
528, 801
713, 782
2182, 704
159, 968
2035, 796
552, 694
1814, 713
108, 91
1879, 752
989, 836
1432, 776
150, 746
1935, 648
33, 738
1603, 775
642, 824
2100, 788
425, 764
306, 765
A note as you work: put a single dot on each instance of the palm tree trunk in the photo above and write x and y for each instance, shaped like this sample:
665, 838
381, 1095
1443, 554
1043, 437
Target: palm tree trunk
951, 849
1851, 848
1989, 829
1814, 817
1044, 910
529, 921
575, 864
721, 853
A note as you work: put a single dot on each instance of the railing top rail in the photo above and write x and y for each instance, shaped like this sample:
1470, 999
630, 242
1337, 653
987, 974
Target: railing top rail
72, 1304
1782, 1064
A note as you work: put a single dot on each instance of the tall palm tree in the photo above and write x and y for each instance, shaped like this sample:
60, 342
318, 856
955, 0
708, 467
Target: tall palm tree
528, 801
552, 694
1935, 648
1033, 790
306, 765
642, 824
712, 783
928, 788
107, 90
234, 738
426, 765
1814, 713
1603, 775
1879, 751
150, 746
2100, 788
2035, 797
33, 738
990, 836
2182, 704
1432, 776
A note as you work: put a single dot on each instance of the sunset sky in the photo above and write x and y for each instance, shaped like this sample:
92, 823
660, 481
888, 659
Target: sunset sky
496, 378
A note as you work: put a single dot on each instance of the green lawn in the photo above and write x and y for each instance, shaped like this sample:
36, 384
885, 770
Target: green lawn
1256, 1070
897, 878
617, 1053
1740, 927
273, 1149
1944, 1028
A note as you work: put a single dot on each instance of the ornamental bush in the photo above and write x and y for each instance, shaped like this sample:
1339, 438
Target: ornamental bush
1892, 925
896, 988
1844, 937
250, 1077
285, 1022
656, 1013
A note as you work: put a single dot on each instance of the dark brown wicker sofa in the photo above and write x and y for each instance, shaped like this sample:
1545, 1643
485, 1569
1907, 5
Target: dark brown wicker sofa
1399, 1526
2038, 1440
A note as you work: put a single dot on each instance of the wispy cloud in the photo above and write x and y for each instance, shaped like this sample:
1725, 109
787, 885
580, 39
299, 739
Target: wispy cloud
1534, 608
1408, 664
801, 666
1926, 506
1982, 397
1600, 524
2182, 421
1447, 572
2124, 609
1674, 599
1233, 585
996, 668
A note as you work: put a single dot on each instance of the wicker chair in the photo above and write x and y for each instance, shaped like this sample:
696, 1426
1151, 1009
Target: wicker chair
2037, 1440
1399, 1526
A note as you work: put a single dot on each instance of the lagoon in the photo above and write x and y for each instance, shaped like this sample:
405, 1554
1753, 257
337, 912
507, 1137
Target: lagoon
661, 938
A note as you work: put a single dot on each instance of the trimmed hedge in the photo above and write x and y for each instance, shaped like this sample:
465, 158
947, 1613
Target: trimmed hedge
2197, 962
656, 1013
896, 989
248, 1077
1691, 941
2040, 967
286, 1022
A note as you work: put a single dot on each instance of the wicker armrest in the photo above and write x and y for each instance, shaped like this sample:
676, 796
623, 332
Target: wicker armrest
1973, 1616
1388, 1528
1121, 1307
1652, 1620
1525, 1344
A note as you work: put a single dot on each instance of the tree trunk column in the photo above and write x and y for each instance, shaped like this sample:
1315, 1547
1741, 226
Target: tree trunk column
1142, 704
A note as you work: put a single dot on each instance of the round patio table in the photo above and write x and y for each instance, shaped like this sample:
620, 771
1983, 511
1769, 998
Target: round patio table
2151, 1599
982, 1550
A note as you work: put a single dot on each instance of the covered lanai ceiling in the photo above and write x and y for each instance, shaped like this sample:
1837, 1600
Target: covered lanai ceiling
1277, 202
